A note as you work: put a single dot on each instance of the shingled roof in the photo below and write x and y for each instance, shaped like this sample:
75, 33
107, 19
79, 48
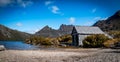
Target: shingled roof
88, 30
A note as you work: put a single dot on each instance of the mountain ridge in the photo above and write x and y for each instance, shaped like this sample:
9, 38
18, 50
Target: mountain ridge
49, 32
10, 34
112, 23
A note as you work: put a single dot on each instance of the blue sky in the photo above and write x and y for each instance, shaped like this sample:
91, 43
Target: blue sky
32, 15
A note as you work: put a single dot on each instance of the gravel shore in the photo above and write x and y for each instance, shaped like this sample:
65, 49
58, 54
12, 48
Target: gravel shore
62, 55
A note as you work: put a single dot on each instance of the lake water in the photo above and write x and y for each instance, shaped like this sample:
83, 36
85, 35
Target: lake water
18, 45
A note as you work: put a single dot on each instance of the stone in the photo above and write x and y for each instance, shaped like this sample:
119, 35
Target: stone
2, 48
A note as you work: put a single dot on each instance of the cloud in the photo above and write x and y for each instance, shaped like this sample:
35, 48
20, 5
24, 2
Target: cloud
33, 31
5, 2
24, 4
19, 24
53, 8
12, 3
99, 18
94, 10
72, 20
92, 21
48, 3
89, 23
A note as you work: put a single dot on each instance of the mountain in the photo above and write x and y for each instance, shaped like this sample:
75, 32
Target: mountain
112, 23
10, 34
49, 32
65, 29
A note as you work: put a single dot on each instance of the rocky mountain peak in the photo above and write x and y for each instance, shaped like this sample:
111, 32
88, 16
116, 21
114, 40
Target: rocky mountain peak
49, 32
46, 28
112, 23
64, 27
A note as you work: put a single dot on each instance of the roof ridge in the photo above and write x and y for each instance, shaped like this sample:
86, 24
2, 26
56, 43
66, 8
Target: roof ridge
85, 26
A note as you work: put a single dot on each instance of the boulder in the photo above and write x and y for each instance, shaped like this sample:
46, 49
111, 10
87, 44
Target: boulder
2, 48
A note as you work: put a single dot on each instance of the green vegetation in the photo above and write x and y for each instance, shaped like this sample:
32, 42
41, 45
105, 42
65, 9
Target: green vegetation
110, 43
115, 34
95, 41
65, 39
38, 40
100, 40
116, 38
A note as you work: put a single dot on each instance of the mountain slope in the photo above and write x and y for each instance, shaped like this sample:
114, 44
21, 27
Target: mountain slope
49, 32
10, 34
112, 23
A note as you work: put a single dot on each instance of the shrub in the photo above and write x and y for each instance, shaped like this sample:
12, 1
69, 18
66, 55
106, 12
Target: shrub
115, 34
95, 41
110, 42
55, 42
38, 40
65, 38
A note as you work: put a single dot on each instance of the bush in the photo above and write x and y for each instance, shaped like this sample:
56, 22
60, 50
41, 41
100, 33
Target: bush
115, 34
65, 39
37, 40
110, 43
95, 41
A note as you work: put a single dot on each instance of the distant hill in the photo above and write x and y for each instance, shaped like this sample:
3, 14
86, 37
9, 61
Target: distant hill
112, 23
49, 32
10, 34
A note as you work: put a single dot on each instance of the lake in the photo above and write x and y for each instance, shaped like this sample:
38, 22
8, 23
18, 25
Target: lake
17, 45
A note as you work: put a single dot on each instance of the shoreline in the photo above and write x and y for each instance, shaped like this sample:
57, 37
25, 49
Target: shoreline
61, 55
44, 55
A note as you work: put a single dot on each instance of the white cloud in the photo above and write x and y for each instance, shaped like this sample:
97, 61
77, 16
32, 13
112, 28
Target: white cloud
99, 18
72, 20
22, 3
94, 10
33, 31
4, 2
89, 23
55, 9
19, 24
92, 21
104, 18
48, 3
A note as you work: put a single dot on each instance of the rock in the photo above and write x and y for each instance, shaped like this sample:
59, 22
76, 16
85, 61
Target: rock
63, 45
2, 48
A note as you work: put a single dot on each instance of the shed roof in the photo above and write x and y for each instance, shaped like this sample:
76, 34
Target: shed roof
88, 30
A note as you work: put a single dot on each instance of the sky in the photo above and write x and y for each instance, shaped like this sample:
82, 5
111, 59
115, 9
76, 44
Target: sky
32, 15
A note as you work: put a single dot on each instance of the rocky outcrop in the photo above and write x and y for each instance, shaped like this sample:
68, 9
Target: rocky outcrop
112, 23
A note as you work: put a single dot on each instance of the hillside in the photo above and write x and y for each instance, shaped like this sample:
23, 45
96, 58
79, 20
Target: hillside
112, 23
10, 34
49, 32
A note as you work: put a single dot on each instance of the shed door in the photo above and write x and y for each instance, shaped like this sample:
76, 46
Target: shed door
75, 40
